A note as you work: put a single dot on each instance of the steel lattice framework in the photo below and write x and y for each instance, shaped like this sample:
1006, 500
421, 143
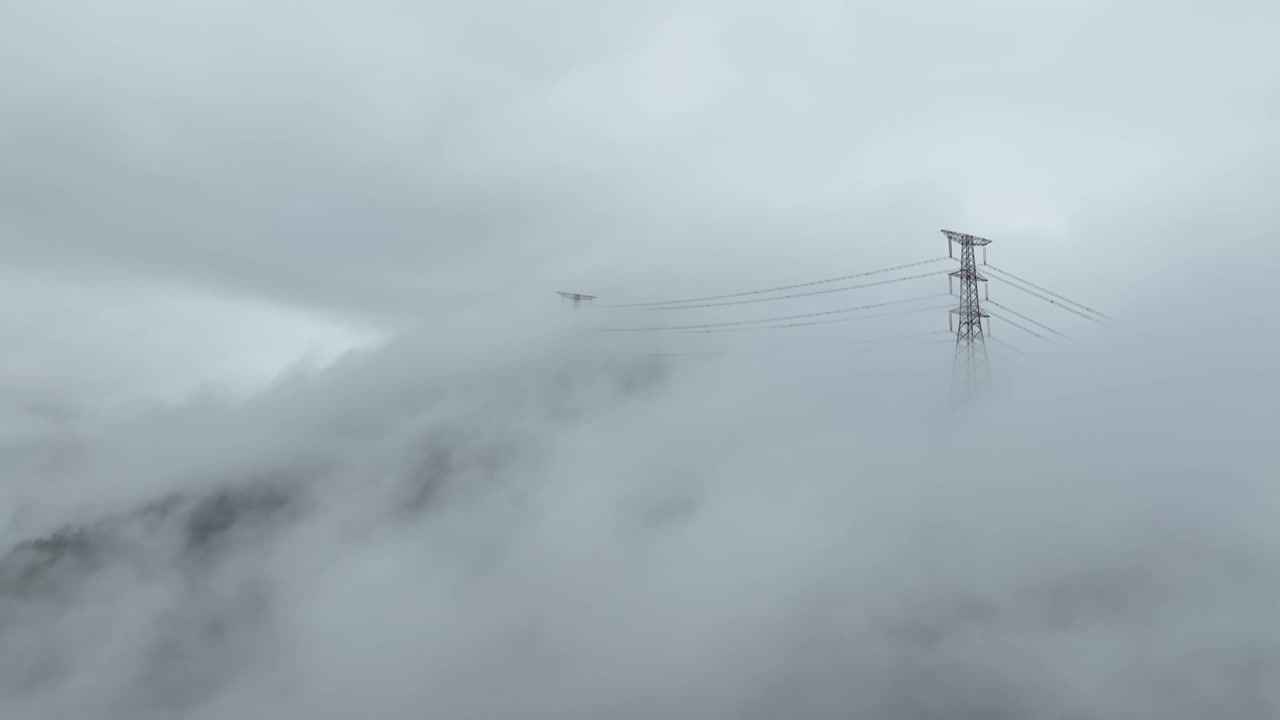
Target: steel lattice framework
577, 298
970, 370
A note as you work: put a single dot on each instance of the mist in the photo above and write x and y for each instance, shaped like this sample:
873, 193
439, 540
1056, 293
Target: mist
525, 525
293, 425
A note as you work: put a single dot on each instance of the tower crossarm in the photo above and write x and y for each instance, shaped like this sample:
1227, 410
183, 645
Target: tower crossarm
965, 238
576, 296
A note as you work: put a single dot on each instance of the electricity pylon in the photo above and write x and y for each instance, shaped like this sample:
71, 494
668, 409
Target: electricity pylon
576, 298
970, 370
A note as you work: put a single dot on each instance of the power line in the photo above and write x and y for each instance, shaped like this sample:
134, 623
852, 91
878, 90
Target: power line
1045, 298
796, 295
792, 351
1051, 301
1023, 328
1031, 320
1050, 292
816, 322
777, 289
783, 318
908, 336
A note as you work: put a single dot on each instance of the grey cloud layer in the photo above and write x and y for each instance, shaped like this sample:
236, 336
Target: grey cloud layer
514, 527
494, 517
387, 155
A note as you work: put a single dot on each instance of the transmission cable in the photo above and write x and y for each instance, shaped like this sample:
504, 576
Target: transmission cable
784, 318
908, 336
812, 323
1031, 320
796, 295
1080, 305
770, 351
1047, 299
777, 289
1023, 328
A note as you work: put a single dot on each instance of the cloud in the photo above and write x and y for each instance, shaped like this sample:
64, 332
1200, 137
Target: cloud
470, 506
395, 156
518, 525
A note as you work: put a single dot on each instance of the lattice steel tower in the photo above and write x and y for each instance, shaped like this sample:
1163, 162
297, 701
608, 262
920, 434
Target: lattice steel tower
577, 298
971, 370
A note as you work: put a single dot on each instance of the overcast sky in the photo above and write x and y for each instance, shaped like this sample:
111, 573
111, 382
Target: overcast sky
206, 203
371, 164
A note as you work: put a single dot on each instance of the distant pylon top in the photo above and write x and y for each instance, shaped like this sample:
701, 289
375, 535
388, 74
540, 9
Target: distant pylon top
965, 240
577, 298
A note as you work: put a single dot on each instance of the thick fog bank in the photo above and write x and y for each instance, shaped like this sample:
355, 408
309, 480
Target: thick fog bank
530, 525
